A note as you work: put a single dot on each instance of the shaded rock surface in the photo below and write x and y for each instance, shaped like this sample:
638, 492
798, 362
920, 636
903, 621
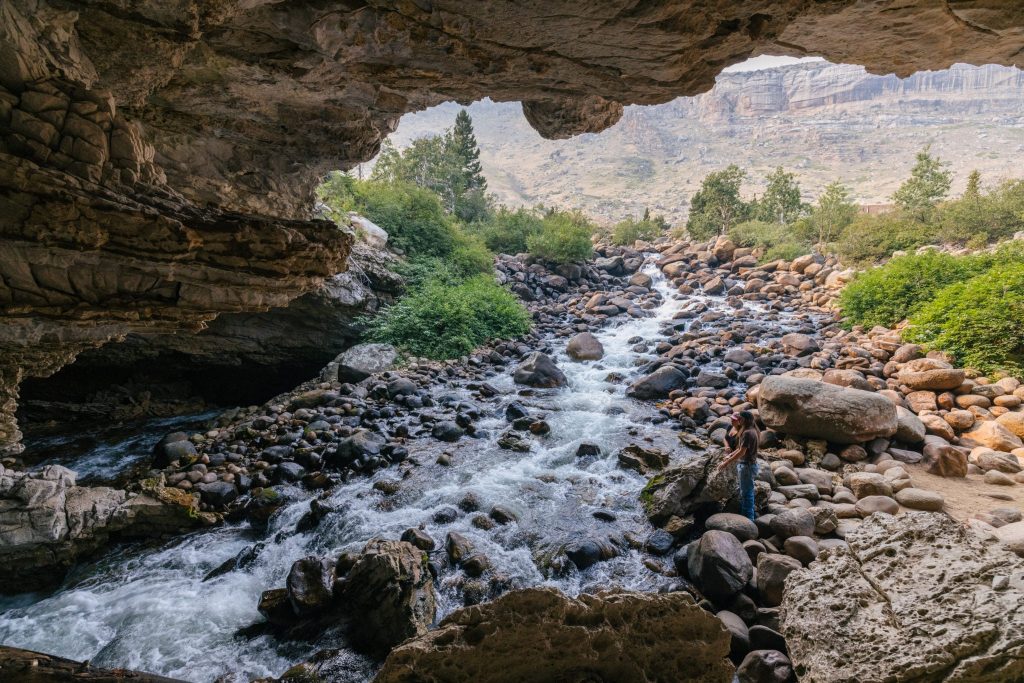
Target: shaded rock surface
25, 666
609, 636
948, 598
838, 414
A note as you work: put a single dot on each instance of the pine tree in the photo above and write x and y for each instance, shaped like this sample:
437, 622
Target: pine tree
464, 146
973, 191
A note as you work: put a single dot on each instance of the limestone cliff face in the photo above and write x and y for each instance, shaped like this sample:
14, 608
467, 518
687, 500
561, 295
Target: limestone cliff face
157, 159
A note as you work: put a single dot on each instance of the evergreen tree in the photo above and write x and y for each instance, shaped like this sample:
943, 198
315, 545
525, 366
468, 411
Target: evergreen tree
388, 167
717, 205
781, 200
973, 191
927, 184
466, 150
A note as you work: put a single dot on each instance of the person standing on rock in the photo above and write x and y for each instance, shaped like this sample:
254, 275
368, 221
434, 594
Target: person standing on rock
743, 439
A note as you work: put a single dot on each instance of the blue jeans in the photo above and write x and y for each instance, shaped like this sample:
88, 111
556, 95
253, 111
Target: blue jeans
747, 474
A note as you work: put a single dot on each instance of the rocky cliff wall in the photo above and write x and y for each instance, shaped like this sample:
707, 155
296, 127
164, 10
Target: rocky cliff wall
158, 158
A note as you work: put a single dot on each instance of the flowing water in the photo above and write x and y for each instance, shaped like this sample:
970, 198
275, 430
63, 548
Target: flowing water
148, 608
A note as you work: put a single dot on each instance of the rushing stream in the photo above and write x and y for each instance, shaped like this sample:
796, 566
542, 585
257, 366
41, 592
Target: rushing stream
148, 608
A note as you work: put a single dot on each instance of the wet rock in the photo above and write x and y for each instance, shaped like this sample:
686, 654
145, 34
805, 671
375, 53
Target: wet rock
419, 538
765, 666
275, 606
174, 446
686, 488
824, 411
515, 411
502, 515
389, 594
25, 666
719, 564
660, 542
447, 431
642, 460
587, 448
922, 580
658, 384
584, 346
458, 547
309, 585
538, 370
610, 636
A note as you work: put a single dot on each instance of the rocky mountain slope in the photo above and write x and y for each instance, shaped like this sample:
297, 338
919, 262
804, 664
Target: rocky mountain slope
825, 121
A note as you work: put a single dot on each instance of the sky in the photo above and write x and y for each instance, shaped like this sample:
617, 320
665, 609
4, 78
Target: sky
769, 62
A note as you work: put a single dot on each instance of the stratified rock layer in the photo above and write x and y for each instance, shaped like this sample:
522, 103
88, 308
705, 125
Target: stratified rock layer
158, 160
539, 635
914, 598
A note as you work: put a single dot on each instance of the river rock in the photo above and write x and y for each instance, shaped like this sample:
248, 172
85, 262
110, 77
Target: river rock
909, 428
737, 525
389, 594
805, 407
686, 488
309, 585
930, 374
794, 522
920, 499
538, 370
361, 361
26, 666
765, 666
658, 384
584, 346
797, 344
772, 570
922, 581
943, 459
643, 459
992, 434
719, 564
608, 636
1014, 422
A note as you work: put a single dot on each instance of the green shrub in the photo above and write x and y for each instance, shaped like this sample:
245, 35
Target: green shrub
787, 251
470, 256
979, 321
872, 238
978, 219
779, 241
413, 217
442, 320
626, 232
564, 238
890, 293
506, 232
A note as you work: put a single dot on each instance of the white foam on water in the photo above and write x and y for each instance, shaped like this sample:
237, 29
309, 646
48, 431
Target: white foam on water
148, 608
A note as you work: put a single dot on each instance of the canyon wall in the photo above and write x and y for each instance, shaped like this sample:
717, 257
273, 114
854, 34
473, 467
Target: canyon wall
157, 159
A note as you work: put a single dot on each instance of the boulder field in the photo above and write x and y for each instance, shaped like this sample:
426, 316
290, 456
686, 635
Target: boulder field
854, 425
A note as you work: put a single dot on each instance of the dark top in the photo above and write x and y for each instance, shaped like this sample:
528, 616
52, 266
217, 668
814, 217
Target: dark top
748, 439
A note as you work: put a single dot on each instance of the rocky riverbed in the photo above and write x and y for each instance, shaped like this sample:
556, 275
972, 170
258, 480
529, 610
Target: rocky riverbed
353, 514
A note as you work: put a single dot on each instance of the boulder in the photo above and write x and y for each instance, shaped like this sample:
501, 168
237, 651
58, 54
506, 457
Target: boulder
310, 583
26, 666
389, 594
1013, 422
368, 231
797, 344
909, 428
719, 565
765, 666
942, 459
804, 407
737, 525
992, 434
643, 459
920, 499
361, 361
930, 374
686, 488
658, 384
584, 346
772, 570
916, 597
794, 522
607, 636
538, 370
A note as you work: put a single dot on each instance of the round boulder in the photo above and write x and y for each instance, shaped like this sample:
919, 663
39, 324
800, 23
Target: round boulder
584, 346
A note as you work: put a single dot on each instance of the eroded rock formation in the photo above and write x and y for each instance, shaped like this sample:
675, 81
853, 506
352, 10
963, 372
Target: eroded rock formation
916, 597
610, 636
157, 161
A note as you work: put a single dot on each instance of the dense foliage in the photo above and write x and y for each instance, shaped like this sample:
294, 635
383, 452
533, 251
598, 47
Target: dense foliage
506, 231
778, 241
891, 293
717, 205
980, 322
441, 320
564, 238
648, 228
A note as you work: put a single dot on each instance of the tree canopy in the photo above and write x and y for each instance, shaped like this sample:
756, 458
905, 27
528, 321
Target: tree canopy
928, 183
780, 202
717, 205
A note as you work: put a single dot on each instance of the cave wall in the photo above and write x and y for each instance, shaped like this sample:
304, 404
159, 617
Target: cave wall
158, 157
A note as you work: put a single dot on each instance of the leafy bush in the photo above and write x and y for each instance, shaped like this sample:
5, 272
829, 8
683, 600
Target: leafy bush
977, 321
564, 238
470, 256
506, 231
779, 241
413, 217
871, 238
890, 293
978, 219
630, 230
442, 320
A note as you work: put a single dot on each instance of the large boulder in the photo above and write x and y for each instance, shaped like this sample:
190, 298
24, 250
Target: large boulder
539, 634
917, 597
994, 435
658, 384
805, 407
584, 346
389, 595
47, 522
538, 370
931, 374
361, 361
687, 488
719, 564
